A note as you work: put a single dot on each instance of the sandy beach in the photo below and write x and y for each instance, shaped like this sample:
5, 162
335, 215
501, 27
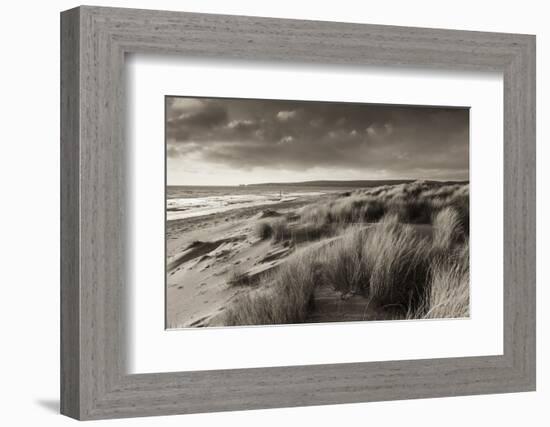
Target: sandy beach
203, 252
245, 257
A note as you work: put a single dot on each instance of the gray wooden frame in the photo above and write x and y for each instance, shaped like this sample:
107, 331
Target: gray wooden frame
94, 382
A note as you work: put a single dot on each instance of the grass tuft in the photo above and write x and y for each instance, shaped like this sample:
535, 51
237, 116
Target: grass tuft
285, 300
448, 293
447, 228
263, 230
343, 262
398, 262
239, 278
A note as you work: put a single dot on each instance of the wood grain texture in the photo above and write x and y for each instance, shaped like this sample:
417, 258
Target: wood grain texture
70, 292
94, 201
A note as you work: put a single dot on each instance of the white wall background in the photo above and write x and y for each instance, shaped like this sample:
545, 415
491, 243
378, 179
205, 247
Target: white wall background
29, 212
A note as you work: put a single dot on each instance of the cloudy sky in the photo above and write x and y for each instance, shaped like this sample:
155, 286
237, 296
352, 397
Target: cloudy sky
214, 141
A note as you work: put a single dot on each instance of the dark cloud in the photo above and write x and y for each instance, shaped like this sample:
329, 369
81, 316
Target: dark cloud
297, 135
181, 124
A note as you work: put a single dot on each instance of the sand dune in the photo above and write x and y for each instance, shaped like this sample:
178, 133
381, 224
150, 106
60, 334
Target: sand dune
198, 275
215, 260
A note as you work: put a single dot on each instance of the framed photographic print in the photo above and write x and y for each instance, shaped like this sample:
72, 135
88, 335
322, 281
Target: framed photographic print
262, 213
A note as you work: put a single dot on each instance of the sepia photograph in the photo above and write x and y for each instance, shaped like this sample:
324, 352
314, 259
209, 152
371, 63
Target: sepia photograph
286, 212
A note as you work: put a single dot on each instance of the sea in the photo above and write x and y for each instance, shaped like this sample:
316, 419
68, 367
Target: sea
193, 201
